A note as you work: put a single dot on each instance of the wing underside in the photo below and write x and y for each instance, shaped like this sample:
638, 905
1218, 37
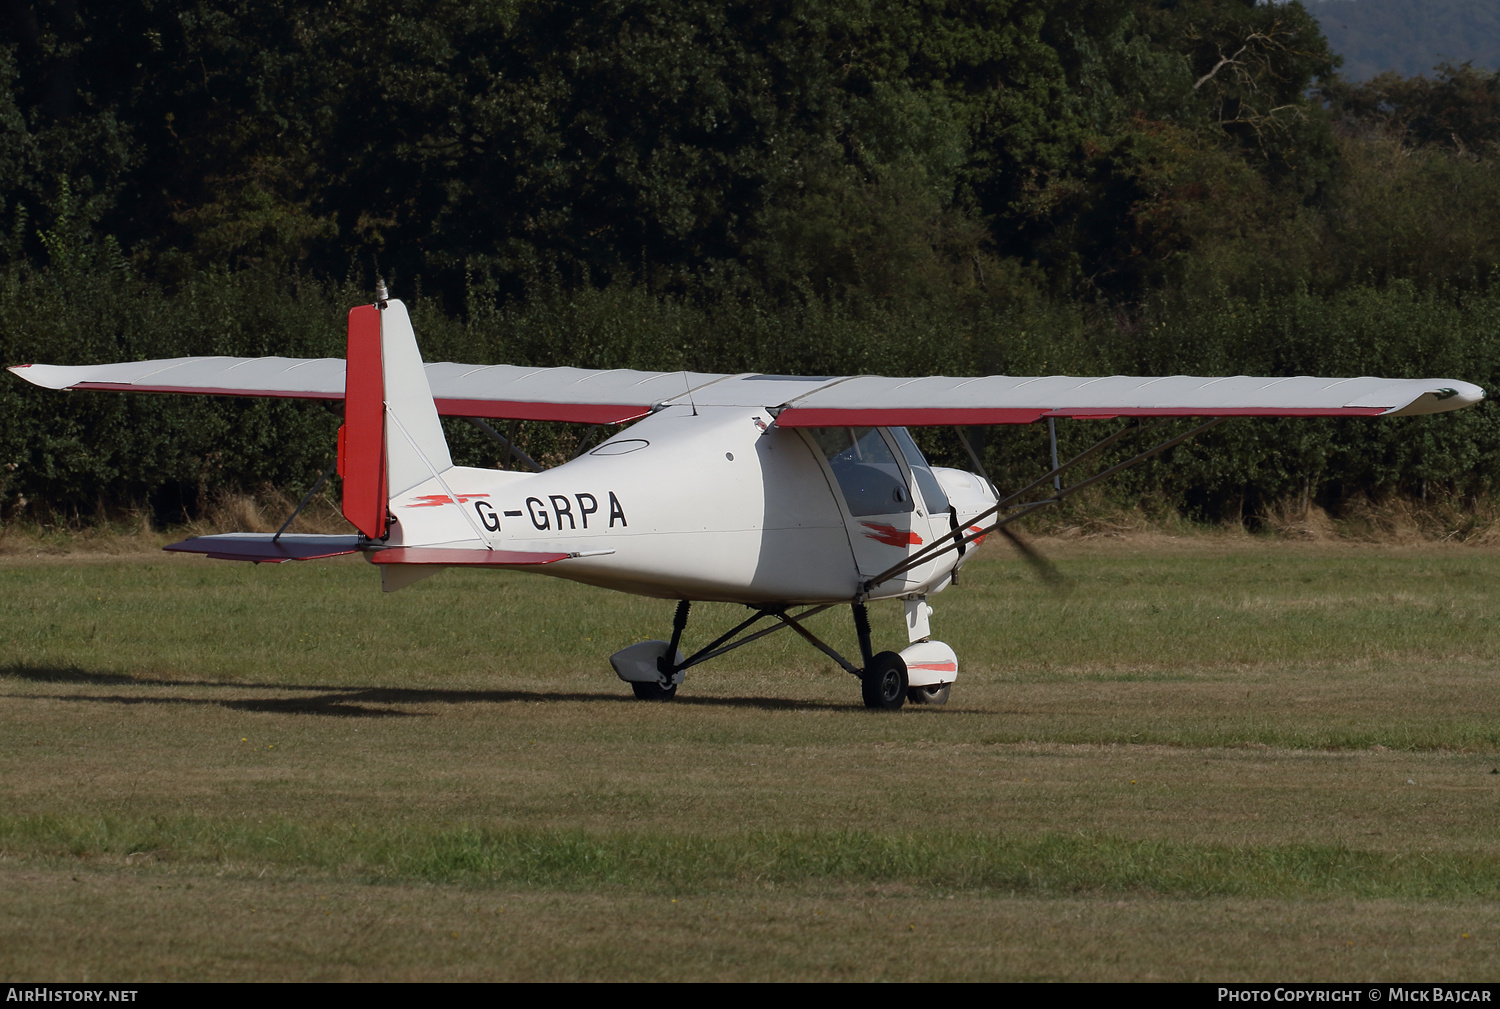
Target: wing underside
619, 395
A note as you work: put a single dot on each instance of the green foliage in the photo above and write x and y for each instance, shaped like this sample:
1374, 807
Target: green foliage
1238, 470
807, 186
1458, 109
816, 148
1396, 331
78, 454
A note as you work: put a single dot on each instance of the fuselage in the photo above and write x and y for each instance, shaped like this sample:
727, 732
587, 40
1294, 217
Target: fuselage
713, 503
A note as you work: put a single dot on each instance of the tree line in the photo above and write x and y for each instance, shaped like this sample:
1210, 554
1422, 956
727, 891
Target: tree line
1023, 186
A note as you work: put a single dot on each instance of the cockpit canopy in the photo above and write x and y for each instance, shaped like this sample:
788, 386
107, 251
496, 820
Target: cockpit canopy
864, 461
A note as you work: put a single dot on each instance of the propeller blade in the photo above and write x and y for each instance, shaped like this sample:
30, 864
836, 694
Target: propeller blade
1044, 568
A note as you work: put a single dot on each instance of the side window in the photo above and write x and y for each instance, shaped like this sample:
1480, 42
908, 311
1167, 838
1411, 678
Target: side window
927, 481
865, 468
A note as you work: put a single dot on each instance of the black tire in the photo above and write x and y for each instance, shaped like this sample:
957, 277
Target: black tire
653, 691
929, 695
883, 685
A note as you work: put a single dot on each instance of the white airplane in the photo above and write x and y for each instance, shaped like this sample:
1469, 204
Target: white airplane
786, 495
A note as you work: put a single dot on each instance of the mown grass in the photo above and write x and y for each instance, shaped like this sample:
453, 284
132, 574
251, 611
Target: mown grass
1194, 725
1047, 864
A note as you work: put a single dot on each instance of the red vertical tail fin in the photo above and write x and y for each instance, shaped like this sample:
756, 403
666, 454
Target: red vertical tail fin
362, 456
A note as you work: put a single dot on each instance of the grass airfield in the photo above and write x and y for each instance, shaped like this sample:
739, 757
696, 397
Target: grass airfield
1215, 758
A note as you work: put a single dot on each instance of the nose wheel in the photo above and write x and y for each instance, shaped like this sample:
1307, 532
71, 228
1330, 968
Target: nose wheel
929, 695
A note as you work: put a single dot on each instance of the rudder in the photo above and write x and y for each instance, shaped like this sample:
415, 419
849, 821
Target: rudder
362, 438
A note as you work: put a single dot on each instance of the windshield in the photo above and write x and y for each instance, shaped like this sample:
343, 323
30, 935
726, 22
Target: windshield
927, 481
865, 468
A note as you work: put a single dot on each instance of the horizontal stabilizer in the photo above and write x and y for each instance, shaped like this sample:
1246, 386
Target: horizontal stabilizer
263, 548
489, 558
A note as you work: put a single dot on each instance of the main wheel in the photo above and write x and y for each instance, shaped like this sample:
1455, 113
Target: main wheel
884, 683
937, 694
653, 691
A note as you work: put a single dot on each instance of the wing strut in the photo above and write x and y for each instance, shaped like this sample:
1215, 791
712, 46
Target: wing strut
957, 540
974, 456
305, 499
508, 444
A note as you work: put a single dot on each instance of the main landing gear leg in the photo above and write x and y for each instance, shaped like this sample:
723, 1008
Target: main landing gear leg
665, 689
882, 683
679, 624
655, 668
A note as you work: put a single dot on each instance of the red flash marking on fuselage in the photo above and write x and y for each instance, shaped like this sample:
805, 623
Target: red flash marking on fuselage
433, 500
891, 536
977, 539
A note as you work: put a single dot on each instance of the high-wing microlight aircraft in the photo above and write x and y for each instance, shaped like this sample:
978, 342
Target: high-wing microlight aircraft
786, 495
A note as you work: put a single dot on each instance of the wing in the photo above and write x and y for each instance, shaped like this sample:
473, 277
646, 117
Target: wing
616, 396
461, 390
999, 399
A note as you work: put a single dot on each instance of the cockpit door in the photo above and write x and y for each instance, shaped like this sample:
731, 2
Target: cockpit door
886, 522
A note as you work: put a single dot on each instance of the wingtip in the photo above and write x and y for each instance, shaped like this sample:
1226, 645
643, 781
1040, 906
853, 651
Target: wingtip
48, 377
1449, 396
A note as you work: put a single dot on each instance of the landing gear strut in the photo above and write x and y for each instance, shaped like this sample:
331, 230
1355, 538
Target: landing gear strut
665, 687
655, 668
882, 681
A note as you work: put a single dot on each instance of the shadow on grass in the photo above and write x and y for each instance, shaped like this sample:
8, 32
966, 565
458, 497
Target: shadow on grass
355, 701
